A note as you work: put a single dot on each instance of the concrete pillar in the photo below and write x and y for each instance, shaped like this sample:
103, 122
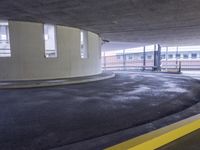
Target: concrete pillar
157, 57
27, 61
154, 58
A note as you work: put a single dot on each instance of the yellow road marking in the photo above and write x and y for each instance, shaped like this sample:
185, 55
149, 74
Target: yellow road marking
160, 137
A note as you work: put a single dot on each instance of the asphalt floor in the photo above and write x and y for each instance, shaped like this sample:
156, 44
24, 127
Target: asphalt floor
52, 117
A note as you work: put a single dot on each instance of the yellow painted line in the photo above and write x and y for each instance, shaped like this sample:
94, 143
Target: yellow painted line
160, 137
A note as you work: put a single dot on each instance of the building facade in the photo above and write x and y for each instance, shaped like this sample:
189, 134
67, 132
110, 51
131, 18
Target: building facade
186, 59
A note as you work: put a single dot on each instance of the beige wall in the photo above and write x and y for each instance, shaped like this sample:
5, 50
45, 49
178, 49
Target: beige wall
28, 62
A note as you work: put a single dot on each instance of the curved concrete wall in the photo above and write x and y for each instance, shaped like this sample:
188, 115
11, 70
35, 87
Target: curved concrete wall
27, 61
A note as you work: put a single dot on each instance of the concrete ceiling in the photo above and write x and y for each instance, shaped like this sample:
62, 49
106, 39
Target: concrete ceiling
168, 22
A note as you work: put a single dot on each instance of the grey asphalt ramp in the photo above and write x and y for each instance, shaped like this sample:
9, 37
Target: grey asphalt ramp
45, 118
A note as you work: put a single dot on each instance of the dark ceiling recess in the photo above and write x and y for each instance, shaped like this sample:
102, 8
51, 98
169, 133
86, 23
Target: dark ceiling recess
139, 21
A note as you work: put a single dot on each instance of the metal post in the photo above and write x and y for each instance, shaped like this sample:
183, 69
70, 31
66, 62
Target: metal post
144, 58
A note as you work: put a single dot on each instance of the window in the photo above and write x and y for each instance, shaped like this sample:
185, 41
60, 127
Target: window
4, 39
149, 57
130, 56
185, 56
194, 55
178, 56
84, 44
50, 41
163, 56
118, 56
170, 56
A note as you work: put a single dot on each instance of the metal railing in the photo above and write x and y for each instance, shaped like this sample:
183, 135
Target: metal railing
113, 63
5, 53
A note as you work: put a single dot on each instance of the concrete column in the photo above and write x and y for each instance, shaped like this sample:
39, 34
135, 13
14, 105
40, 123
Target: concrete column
27, 61
157, 57
154, 58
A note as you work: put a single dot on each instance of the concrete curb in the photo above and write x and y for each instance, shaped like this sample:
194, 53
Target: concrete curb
58, 82
160, 137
